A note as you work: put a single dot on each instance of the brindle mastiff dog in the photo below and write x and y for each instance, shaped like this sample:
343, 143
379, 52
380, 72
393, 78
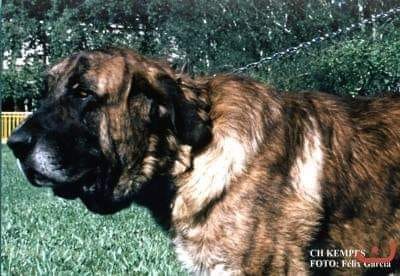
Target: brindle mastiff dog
247, 180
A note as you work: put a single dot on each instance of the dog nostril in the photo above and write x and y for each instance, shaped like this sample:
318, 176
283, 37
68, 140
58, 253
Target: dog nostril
20, 142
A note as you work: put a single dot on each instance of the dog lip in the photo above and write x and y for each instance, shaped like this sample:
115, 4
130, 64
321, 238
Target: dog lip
38, 179
74, 190
34, 177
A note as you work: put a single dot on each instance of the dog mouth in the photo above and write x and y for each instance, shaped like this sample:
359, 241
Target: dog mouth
73, 190
39, 179
94, 187
80, 186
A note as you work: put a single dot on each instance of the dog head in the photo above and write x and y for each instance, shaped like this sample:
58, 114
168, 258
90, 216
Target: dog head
111, 121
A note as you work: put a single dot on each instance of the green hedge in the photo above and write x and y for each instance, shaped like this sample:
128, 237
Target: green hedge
358, 66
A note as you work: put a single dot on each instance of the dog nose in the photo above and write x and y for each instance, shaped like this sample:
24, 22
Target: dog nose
20, 142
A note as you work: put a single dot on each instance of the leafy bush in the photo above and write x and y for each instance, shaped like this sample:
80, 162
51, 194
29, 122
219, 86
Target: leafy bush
358, 66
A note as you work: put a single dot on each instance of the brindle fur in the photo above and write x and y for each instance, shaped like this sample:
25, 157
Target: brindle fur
247, 179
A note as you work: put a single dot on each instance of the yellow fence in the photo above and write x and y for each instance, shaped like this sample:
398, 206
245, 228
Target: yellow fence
9, 121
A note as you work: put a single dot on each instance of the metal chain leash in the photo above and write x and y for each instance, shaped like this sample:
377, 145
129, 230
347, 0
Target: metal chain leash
304, 45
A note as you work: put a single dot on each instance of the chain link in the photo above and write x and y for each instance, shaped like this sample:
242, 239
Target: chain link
304, 45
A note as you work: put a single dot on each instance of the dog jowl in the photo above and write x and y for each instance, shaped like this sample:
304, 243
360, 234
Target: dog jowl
246, 179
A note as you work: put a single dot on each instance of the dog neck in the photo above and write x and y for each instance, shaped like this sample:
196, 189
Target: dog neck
203, 177
199, 178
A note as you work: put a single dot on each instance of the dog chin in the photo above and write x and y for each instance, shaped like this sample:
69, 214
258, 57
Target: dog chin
70, 192
102, 204
93, 195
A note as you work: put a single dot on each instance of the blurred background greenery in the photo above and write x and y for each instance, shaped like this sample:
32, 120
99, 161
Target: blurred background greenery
210, 36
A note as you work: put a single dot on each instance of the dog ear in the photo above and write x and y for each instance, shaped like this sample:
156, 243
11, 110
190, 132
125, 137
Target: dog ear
190, 128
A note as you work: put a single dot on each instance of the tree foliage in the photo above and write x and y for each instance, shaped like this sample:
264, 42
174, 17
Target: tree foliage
209, 35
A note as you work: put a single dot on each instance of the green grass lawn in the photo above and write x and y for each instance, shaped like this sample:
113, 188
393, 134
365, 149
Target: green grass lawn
42, 234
